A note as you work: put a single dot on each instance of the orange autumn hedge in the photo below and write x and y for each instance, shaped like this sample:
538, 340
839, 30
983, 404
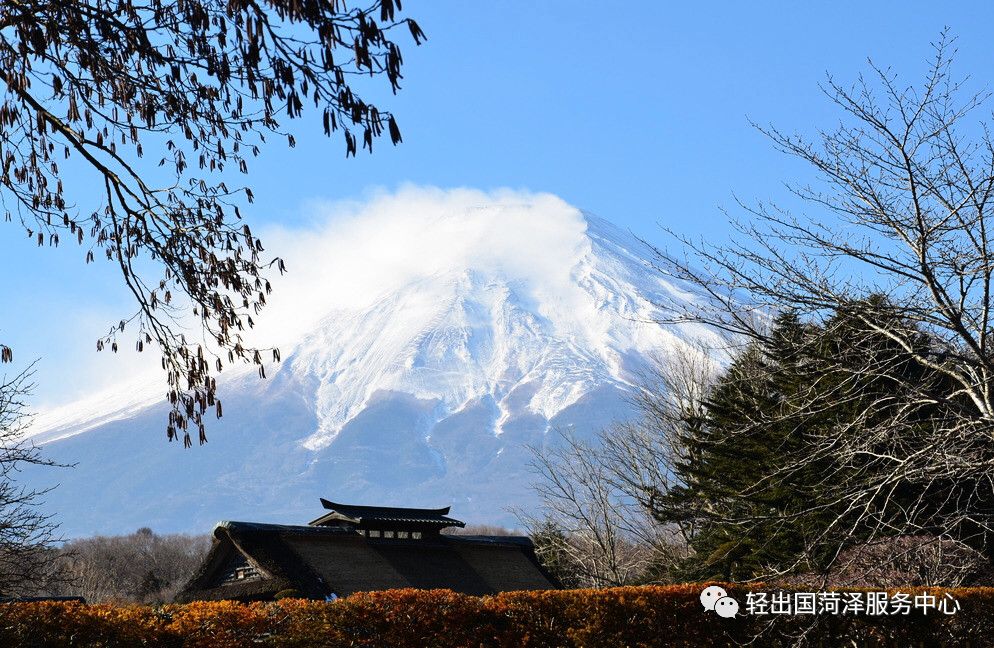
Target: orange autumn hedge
626, 616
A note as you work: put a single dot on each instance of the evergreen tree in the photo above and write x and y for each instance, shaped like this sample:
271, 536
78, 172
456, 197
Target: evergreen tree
794, 456
550, 542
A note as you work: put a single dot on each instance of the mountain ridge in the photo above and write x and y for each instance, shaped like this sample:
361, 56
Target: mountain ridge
426, 393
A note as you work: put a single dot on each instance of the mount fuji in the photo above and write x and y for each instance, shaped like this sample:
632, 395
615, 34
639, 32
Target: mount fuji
433, 336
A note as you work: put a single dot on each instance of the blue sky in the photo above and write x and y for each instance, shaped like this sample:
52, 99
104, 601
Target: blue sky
638, 112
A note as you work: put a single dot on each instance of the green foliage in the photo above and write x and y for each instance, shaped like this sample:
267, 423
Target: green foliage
783, 468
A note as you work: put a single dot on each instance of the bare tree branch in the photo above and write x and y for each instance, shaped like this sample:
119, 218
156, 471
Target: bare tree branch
204, 83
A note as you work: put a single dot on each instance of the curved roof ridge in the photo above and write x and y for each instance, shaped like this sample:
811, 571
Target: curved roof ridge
335, 506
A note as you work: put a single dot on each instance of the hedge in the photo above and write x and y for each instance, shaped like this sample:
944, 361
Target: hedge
625, 616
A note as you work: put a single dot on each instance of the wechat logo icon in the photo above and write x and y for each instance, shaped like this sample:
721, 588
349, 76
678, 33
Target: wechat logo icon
716, 599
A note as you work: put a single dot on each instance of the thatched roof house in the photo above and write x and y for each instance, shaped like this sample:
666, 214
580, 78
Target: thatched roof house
358, 549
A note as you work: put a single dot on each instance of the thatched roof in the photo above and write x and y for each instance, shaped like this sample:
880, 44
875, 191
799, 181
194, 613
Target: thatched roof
316, 561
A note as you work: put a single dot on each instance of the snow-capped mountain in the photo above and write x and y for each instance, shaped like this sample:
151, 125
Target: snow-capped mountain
470, 325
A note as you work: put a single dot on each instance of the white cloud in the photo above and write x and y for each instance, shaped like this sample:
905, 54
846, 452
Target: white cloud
351, 253
357, 251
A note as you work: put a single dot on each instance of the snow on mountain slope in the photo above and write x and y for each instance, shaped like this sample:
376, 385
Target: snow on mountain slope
437, 334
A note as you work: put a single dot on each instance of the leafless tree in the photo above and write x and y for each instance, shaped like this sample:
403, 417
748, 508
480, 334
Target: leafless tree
601, 527
910, 561
89, 87
481, 529
27, 534
900, 210
641, 453
142, 567
598, 496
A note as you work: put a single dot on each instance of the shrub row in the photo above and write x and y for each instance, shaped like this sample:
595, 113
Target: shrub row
625, 616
